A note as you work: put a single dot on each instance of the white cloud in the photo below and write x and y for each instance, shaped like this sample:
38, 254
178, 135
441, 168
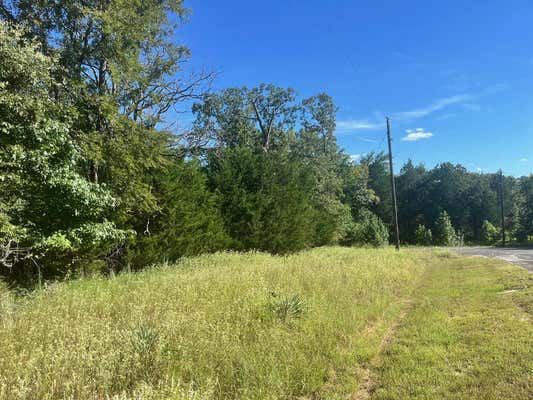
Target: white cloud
524, 160
414, 135
355, 157
377, 121
359, 125
365, 139
430, 109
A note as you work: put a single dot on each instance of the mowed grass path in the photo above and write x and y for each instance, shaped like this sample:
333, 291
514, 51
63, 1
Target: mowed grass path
331, 323
469, 335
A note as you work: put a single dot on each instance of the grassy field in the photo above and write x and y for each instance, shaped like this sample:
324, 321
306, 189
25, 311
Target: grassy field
331, 323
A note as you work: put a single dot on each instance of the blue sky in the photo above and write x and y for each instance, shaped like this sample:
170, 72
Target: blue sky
456, 77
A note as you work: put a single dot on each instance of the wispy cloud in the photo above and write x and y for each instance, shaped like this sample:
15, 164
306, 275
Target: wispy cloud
355, 157
377, 120
438, 105
368, 140
414, 135
524, 160
359, 125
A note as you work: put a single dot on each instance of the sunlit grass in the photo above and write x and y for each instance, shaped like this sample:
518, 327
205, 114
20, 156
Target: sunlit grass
469, 336
225, 326
255, 326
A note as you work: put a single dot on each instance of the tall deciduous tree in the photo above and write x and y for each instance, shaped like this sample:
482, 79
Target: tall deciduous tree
46, 207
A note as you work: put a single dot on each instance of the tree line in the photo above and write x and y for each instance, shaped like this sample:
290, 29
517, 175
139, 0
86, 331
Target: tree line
93, 177
450, 205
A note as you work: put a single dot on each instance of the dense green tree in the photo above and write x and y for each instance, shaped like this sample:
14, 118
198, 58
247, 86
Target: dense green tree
523, 209
489, 233
423, 236
188, 222
444, 232
469, 198
49, 212
263, 200
379, 182
269, 119
410, 185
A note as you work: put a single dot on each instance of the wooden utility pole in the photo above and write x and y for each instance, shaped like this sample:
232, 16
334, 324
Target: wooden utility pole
393, 189
502, 208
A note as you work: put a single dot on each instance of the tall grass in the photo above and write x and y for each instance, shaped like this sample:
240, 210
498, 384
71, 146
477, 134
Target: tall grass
6, 301
225, 326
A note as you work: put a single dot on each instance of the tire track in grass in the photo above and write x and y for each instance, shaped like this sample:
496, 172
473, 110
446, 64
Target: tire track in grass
369, 375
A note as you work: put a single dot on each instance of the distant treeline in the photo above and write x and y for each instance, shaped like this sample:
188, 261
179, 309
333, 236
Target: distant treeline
93, 178
469, 201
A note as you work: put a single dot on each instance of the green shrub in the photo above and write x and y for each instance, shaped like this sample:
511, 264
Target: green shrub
423, 236
444, 233
367, 230
264, 201
489, 233
286, 309
188, 223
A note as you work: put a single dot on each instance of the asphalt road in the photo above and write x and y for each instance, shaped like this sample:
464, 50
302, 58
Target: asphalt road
514, 255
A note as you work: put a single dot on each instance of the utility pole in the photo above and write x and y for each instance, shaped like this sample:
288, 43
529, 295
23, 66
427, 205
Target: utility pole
393, 189
502, 209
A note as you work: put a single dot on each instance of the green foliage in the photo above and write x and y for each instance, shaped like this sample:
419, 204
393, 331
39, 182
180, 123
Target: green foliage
523, 210
263, 202
489, 233
469, 198
367, 229
46, 205
423, 236
188, 223
444, 233
379, 182
287, 309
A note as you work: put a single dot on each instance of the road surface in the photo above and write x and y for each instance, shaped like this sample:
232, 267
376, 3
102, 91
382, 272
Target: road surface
515, 255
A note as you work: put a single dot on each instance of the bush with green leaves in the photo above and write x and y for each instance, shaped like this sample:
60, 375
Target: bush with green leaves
188, 222
367, 229
287, 308
263, 200
489, 233
444, 232
49, 214
423, 236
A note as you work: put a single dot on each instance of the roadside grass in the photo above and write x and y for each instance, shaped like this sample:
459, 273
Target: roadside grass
330, 323
469, 335
225, 326
6, 300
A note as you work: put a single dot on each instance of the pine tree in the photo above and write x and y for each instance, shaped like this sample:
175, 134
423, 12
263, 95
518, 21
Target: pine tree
444, 233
